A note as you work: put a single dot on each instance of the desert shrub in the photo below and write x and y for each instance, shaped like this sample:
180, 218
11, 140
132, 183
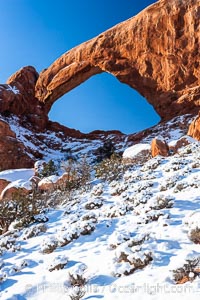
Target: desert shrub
78, 174
97, 190
189, 271
3, 276
18, 267
105, 151
21, 209
48, 169
162, 202
110, 168
194, 235
58, 263
49, 244
129, 259
9, 243
34, 231
94, 204
77, 281
67, 237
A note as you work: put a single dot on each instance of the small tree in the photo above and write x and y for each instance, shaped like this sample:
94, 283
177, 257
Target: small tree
49, 169
105, 151
110, 168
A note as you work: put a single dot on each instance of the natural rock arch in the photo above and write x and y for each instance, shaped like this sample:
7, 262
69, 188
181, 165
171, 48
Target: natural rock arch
155, 52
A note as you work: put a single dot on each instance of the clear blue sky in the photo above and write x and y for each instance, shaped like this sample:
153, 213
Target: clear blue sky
36, 32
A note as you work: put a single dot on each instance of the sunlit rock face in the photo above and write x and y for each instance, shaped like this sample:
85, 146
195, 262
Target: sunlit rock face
156, 53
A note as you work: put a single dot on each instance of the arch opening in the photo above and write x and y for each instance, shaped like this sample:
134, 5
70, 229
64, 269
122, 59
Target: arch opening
104, 103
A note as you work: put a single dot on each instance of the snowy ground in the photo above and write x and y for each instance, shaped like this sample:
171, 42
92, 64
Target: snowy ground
155, 206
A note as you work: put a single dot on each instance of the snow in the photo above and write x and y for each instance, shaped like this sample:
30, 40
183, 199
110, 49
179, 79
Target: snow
17, 174
134, 150
13, 89
148, 213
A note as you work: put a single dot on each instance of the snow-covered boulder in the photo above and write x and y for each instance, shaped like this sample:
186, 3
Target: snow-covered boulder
175, 145
138, 152
48, 183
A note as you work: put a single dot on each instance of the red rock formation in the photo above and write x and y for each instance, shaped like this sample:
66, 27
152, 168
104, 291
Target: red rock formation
156, 53
12, 151
18, 98
194, 128
159, 147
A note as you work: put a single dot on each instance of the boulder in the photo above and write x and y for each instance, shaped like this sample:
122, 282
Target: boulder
137, 153
3, 184
48, 183
159, 147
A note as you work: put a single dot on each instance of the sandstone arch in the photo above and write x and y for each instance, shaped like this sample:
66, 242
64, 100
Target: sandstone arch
156, 52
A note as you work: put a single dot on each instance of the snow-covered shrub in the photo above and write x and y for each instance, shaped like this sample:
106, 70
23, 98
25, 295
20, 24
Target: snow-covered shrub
153, 216
64, 238
3, 276
192, 220
86, 227
194, 235
110, 168
118, 189
152, 164
117, 238
169, 182
94, 204
97, 190
180, 186
161, 201
76, 293
9, 243
89, 216
129, 259
58, 263
49, 244
142, 186
34, 230
18, 267
21, 210
141, 197
1, 263
188, 272
77, 275
117, 210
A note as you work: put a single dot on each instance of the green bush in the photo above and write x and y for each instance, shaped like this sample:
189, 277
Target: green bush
105, 151
110, 168
48, 169
21, 209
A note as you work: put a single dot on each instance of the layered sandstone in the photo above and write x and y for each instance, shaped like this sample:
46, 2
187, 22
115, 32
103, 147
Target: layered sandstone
194, 128
156, 53
12, 151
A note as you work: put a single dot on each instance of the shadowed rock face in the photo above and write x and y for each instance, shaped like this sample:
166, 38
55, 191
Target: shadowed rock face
156, 53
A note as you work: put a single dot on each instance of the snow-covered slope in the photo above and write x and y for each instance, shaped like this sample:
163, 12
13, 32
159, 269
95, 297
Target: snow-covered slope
102, 235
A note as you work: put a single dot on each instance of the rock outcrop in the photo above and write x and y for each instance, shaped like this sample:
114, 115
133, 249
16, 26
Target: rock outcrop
194, 128
12, 151
159, 147
18, 98
156, 53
